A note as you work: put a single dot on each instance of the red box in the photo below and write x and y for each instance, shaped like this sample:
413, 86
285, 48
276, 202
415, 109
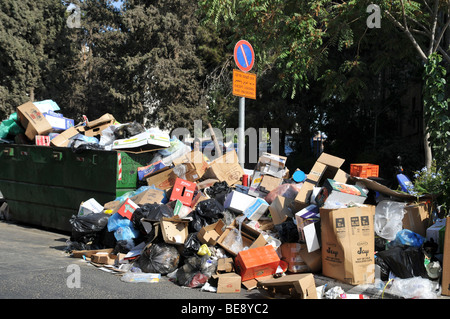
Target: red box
127, 209
364, 170
257, 262
183, 190
42, 140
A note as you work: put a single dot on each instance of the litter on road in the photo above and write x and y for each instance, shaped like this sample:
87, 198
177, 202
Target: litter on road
215, 226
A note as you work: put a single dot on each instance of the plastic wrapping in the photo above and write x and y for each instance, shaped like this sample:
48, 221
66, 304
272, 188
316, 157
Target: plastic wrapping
159, 258
128, 130
415, 288
196, 271
403, 262
389, 219
406, 237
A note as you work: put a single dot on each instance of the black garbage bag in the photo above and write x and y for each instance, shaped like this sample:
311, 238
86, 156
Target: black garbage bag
196, 271
219, 191
153, 212
191, 245
159, 258
128, 130
404, 262
87, 228
287, 231
206, 212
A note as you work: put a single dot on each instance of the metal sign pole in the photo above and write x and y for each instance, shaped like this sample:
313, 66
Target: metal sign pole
241, 136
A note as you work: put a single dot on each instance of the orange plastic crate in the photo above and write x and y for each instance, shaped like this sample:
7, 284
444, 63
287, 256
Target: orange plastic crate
364, 170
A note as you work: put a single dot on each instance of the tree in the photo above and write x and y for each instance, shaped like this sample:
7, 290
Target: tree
425, 24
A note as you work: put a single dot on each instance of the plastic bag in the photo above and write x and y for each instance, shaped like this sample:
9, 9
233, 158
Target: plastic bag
404, 262
153, 212
159, 258
287, 231
406, 237
389, 219
288, 190
218, 191
415, 288
196, 271
10, 126
80, 142
85, 228
128, 130
191, 245
206, 212
176, 150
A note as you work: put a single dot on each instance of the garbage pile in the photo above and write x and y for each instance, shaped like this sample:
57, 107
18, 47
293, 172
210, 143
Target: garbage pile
214, 226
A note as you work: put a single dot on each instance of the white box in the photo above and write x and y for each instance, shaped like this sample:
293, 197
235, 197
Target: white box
90, 206
237, 201
256, 209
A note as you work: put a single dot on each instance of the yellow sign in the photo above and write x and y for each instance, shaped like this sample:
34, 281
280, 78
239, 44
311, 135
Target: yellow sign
244, 84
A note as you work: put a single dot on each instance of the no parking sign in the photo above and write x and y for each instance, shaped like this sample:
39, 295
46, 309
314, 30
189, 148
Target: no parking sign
244, 56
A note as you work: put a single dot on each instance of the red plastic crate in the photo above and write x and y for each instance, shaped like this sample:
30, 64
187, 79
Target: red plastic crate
364, 170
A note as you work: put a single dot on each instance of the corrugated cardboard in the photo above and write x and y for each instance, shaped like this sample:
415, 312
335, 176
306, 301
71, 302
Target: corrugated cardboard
226, 168
446, 261
162, 179
227, 283
211, 233
290, 253
183, 191
257, 262
417, 218
149, 196
32, 119
250, 237
280, 209
298, 286
199, 165
348, 244
63, 139
143, 142
335, 192
174, 230
326, 166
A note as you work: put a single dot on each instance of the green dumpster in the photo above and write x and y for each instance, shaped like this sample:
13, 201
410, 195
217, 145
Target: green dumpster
44, 186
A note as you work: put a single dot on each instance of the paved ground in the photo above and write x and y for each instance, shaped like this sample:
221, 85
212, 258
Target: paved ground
34, 265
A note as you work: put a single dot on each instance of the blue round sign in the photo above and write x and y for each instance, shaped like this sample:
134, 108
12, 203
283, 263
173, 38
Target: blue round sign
244, 56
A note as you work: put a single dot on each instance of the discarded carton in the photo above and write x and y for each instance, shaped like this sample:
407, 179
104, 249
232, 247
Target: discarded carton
237, 201
42, 140
58, 121
290, 253
335, 192
269, 183
183, 191
90, 206
283, 208
33, 120
174, 230
308, 226
348, 244
211, 233
417, 218
273, 160
251, 238
227, 283
446, 261
63, 139
198, 164
149, 196
437, 233
145, 171
143, 142
257, 262
104, 258
162, 179
96, 127
326, 166
225, 265
256, 209
297, 286
128, 208
226, 168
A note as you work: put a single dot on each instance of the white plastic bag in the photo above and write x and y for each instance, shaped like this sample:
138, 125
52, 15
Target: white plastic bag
389, 219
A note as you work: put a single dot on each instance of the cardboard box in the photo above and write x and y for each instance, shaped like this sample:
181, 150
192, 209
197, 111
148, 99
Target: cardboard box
445, 284
162, 179
198, 165
335, 192
226, 168
257, 262
42, 140
227, 283
269, 183
33, 120
348, 244
58, 121
308, 226
149, 196
298, 286
63, 139
417, 218
91, 206
251, 238
290, 253
211, 233
437, 233
183, 191
174, 230
273, 160
127, 209
104, 258
237, 201
254, 185
95, 128
283, 208
225, 265
256, 209
326, 166
143, 142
